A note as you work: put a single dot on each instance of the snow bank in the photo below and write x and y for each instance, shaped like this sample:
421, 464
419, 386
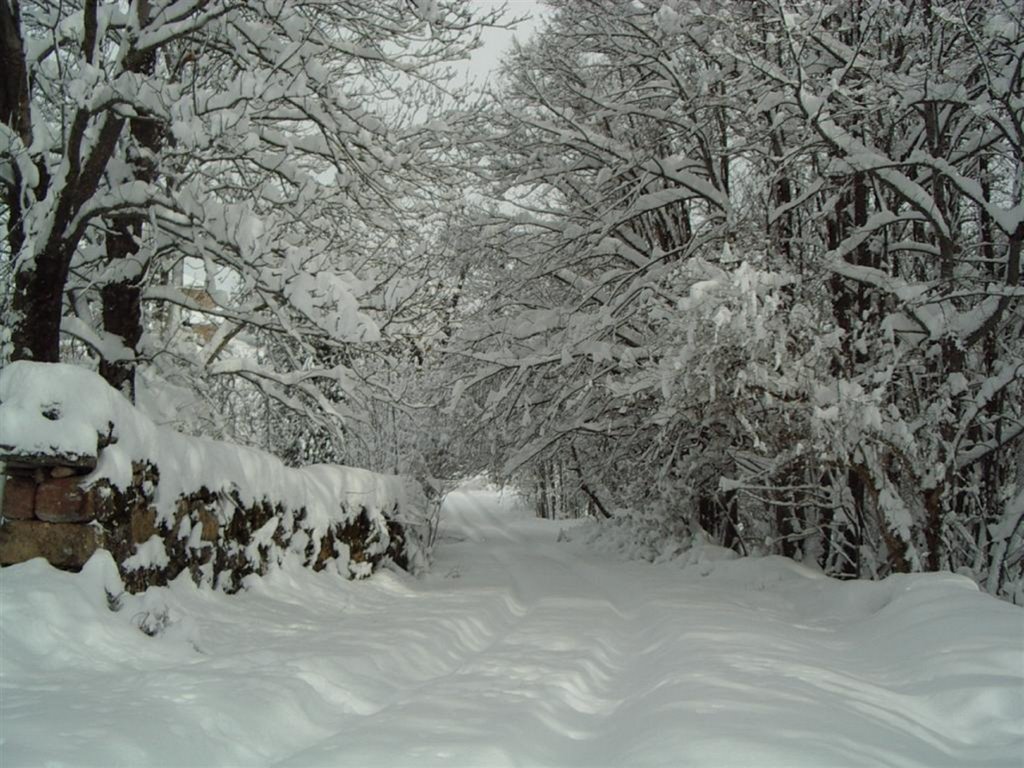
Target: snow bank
69, 412
63, 409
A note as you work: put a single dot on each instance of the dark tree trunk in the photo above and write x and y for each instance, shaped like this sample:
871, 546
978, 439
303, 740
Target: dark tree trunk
41, 267
37, 302
593, 499
122, 301
826, 518
122, 312
853, 538
542, 493
732, 537
707, 515
39, 285
14, 111
787, 526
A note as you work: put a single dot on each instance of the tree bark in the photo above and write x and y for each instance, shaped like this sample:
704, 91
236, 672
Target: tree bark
39, 284
14, 110
122, 311
42, 265
122, 300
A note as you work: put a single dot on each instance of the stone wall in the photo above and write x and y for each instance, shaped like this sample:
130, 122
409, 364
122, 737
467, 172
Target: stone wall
52, 510
85, 470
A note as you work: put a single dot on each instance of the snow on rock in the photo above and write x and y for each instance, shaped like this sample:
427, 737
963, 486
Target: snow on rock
150, 554
56, 409
82, 405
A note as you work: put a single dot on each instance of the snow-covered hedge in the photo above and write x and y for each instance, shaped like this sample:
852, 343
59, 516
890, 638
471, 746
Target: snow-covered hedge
87, 470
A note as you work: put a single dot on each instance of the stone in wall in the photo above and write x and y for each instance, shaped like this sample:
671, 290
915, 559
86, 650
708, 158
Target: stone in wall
19, 498
20, 461
64, 545
56, 509
215, 537
46, 513
62, 500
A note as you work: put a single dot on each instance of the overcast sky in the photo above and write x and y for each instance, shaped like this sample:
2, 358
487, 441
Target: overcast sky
497, 41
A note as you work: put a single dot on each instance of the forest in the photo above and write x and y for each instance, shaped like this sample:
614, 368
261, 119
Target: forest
745, 273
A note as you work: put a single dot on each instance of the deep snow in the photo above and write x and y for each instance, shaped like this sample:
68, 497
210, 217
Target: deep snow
517, 649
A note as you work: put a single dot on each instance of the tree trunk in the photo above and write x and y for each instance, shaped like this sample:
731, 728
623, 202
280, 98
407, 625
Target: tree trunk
122, 301
122, 311
14, 112
36, 304
41, 266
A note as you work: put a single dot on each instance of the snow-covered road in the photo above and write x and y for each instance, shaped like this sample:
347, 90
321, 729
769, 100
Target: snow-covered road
518, 649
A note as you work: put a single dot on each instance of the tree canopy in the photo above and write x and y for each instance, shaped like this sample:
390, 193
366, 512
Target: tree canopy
745, 271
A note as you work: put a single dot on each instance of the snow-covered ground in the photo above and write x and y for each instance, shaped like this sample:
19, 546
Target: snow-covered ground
517, 649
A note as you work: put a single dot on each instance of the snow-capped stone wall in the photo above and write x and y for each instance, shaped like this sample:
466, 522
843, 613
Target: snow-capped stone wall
85, 470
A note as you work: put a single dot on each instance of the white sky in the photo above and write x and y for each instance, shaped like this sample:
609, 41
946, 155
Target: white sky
496, 41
